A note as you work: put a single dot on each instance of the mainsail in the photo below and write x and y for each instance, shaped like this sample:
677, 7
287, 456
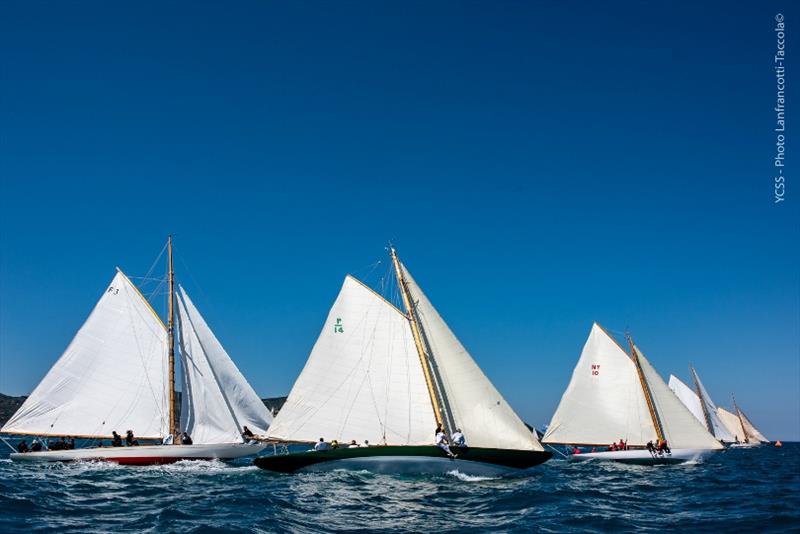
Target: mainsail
473, 403
719, 430
752, 433
733, 424
693, 403
217, 401
112, 376
603, 401
681, 429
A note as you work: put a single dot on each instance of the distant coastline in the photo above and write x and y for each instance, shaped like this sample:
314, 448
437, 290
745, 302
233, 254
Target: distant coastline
9, 405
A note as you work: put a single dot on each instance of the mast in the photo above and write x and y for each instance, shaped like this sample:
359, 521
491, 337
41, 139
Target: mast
415, 331
646, 390
700, 396
739, 415
171, 334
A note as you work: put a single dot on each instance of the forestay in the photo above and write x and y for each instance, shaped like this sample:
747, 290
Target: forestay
112, 376
681, 429
604, 400
217, 400
477, 408
363, 379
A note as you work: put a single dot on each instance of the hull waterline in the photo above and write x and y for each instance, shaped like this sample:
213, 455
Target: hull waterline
644, 457
144, 454
407, 460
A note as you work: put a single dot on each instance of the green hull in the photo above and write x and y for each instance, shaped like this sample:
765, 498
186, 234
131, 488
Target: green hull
501, 458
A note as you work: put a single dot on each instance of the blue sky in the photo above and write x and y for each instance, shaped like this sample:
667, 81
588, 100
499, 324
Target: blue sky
539, 167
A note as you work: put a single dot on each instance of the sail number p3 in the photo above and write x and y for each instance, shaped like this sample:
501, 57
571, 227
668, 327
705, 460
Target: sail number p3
338, 328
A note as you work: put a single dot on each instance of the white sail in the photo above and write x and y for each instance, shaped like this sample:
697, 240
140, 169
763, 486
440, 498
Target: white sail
752, 432
113, 375
604, 400
363, 379
477, 408
681, 429
733, 424
719, 430
688, 397
217, 401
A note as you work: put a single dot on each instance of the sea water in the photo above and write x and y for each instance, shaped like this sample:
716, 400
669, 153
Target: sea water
737, 490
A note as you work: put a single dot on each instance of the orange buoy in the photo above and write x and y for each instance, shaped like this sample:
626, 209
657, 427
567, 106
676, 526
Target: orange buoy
778, 444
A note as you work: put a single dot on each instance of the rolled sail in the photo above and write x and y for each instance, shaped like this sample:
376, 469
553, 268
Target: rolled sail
112, 376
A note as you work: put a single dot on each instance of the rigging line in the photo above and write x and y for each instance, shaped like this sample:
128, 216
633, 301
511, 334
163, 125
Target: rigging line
153, 266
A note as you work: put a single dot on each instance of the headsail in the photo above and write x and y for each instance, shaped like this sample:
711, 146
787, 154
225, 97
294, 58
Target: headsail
681, 429
113, 375
604, 400
217, 400
363, 379
474, 404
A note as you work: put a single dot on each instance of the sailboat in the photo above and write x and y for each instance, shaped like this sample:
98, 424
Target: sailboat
386, 378
613, 396
700, 404
745, 433
118, 373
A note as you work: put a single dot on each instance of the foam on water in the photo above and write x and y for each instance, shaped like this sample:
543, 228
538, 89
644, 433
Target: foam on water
753, 489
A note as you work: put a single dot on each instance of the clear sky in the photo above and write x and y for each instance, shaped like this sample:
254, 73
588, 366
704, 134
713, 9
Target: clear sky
538, 166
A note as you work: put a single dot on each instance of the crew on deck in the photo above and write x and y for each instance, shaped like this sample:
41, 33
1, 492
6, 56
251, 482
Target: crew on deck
186, 439
116, 439
442, 442
130, 441
247, 434
458, 439
36, 445
321, 445
22, 446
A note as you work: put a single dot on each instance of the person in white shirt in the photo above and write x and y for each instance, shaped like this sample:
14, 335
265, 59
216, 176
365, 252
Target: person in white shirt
457, 439
442, 442
321, 445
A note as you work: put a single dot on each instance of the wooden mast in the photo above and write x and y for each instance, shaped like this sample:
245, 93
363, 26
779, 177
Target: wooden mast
739, 415
699, 392
423, 358
646, 390
173, 426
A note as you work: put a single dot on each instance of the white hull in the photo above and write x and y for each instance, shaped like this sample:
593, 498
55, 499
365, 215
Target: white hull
744, 445
144, 454
414, 465
640, 456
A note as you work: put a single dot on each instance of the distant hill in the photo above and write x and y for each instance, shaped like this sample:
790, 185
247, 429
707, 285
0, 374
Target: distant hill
9, 405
